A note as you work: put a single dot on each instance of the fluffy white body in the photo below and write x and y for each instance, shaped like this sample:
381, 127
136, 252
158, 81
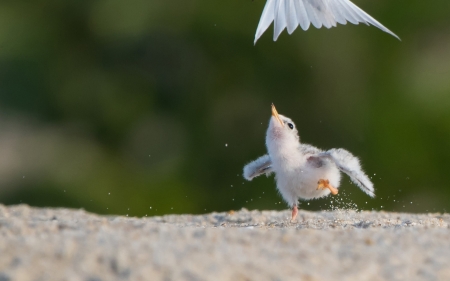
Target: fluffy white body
296, 177
303, 171
328, 13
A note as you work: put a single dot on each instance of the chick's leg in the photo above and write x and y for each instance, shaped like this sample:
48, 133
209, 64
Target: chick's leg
294, 212
322, 184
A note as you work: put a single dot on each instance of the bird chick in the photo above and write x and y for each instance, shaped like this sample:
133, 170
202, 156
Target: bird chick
303, 171
328, 13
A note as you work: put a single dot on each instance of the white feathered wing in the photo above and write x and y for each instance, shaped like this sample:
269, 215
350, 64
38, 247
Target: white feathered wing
262, 165
292, 13
349, 164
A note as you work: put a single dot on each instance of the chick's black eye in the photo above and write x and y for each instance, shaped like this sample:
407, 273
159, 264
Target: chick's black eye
291, 126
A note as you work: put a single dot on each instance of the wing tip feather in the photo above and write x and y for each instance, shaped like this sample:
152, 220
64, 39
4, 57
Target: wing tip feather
247, 173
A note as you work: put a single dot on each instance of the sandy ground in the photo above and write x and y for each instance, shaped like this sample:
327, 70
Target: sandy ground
65, 244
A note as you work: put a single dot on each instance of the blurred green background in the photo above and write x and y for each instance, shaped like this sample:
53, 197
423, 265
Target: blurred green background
153, 107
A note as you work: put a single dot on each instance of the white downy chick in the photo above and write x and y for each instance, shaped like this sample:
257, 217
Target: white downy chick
303, 171
328, 13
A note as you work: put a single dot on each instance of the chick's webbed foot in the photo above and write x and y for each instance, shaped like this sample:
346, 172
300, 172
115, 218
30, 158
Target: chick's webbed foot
294, 212
322, 184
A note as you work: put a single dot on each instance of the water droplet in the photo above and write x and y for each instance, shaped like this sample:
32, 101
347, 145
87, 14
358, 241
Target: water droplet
150, 207
226, 145
109, 193
231, 185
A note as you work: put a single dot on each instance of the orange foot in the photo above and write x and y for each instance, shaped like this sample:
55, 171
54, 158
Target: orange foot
322, 184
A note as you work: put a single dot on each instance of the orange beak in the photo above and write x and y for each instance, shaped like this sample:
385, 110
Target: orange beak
275, 114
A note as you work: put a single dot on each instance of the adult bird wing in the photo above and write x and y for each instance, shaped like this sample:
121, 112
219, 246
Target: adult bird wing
349, 164
292, 13
262, 165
